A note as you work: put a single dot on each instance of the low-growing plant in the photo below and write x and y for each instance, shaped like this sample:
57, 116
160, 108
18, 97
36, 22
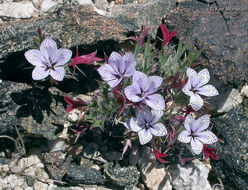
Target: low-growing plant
154, 92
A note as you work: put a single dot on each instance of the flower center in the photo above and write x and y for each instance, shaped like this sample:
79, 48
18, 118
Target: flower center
193, 90
147, 126
192, 134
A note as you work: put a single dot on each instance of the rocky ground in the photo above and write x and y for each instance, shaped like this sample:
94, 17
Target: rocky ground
42, 157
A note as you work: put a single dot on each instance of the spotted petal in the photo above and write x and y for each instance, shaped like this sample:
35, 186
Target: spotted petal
144, 116
63, 56
48, 49
134, 126
202, 123
40, 73
192, 77
196, 146
158, 129
107, 72
132, 93
208, 90
34, 57
157, 114
144, 136
58, 73
184, 136
115, 60
141, 79
187, 88
207, 137
155, 101
189, 123
113, 83
203, 77
155, 81
196, 102
191, 73
129, 65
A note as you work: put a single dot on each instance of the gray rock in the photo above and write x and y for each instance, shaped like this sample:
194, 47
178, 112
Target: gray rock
8, 107
232, 165
192, 176
133, 16
220, 32
113, 156
23, 9
39, 112
232, 101
80, 175
121, 176
69, 25
56, 164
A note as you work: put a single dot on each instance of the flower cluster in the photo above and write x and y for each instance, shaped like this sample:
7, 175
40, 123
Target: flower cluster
135, 85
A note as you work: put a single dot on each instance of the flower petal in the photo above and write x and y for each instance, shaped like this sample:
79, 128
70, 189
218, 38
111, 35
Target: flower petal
144, 136
113, 83
132, 92
34, 57
196, 146
158, 130
63, 56
155, 101
141, 79
115, 60
58, 73
192, 77
134, 126
48, 49
107, 72
191, 73
184, 136
189, 123
157, 114
40, 73
144, 116
207, 137
203, 77
196, 102
208, 90
202, 123
155, 81
187, 88
129, 64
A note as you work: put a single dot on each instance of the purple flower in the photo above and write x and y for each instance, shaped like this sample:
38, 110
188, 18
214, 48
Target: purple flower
143, 89
117, 69
48, 60
146, 125
196, 85
195, 133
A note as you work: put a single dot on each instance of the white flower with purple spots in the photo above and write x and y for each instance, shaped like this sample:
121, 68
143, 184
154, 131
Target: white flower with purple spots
118, 68
196, 86
146, 124
48, 60
195, 134
143, 89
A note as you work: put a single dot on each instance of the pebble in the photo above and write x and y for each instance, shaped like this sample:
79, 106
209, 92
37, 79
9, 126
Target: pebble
192, 176
23, 9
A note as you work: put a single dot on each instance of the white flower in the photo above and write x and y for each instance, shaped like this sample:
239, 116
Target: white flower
146, 125
197, 85
195, 133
